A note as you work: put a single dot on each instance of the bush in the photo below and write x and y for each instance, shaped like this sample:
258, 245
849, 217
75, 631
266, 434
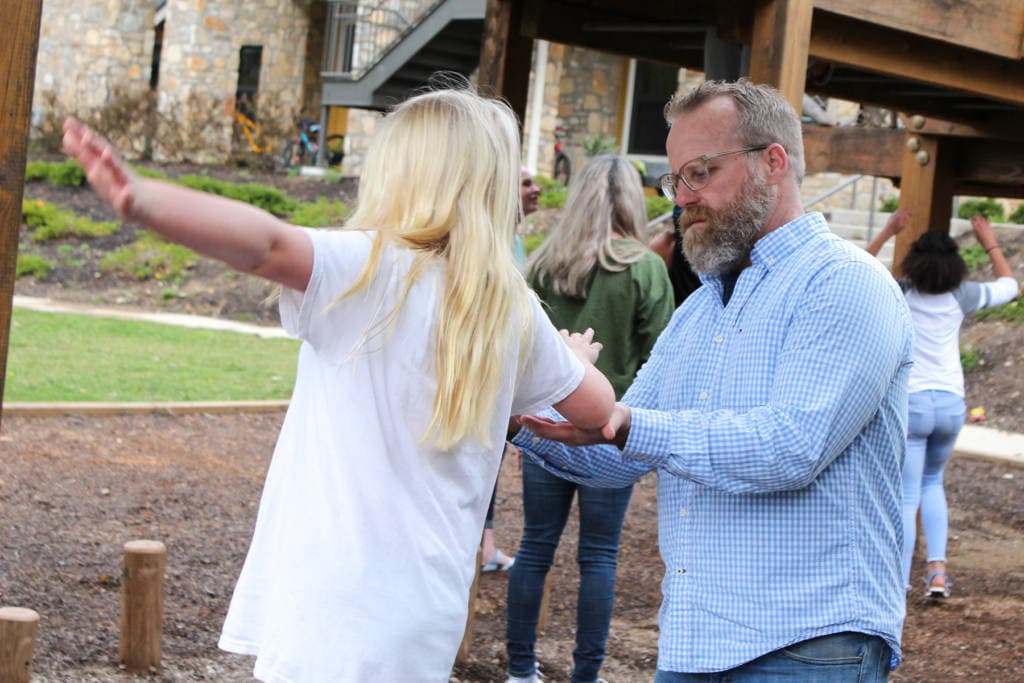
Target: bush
36, 171
321, 213
1012, 312
67, 174
658, 205
151, 257
47, 222
596, 145
991, 209
889, 204
1017, 216
553, 198
532, 241
267, 198
969, 358
974, 256
31, 264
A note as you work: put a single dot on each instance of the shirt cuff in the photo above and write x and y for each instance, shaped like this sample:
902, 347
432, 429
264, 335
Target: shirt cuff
650, 437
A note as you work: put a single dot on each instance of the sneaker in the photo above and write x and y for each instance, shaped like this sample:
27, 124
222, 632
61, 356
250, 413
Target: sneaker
937, 585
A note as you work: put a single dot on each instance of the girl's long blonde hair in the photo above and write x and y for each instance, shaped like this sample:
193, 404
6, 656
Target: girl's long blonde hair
605, 197
441, 178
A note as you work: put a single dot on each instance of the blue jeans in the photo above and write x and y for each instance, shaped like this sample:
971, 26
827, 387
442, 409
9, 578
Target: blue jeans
934, 423
838, 658
546, 503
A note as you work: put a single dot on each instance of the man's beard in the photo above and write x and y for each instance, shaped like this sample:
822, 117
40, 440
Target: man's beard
724, 243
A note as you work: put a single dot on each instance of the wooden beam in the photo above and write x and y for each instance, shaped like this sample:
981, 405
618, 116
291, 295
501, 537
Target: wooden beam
993, 26
926, 189
19, 23
853, 149
778, 51
1001, 130
505, 54
873, 48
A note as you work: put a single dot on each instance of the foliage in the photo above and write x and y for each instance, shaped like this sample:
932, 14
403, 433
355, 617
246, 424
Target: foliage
267, 198
144, 172
553, 198
658, 205
890, 204
1012, 312
61, 357
151, 257
974, 256
532, 241
63, 173
47, 222
1017, 216
596, 145
991, 209
36, 171
321, 213
969, 358
33, 264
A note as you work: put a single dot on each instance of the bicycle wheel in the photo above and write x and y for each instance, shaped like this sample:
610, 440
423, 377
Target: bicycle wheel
563, 168
335, 150
288, 156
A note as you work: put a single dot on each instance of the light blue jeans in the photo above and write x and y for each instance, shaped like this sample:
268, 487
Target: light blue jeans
934, 423
847, 657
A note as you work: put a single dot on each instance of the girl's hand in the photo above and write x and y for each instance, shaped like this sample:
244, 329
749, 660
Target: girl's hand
983, 232
899, 219
107, 173
583, 345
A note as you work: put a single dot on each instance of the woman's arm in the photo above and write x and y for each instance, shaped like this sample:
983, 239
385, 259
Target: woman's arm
897, 221
986, 237
244, 237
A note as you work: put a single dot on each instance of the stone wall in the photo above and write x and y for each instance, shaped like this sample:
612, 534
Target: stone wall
91, 51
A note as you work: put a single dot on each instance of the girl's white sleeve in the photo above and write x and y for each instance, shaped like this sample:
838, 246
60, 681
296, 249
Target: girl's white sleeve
550, 371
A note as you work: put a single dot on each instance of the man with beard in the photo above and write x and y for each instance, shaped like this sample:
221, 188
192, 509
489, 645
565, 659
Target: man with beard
773, 410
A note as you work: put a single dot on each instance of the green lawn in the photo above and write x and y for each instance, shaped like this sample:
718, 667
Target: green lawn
62, 357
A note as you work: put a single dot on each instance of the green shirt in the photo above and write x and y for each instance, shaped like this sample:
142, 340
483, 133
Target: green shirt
627, 310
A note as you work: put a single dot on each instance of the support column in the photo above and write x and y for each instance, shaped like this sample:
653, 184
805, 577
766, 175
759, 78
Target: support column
778, 51
926, 189
506, 54
19, 24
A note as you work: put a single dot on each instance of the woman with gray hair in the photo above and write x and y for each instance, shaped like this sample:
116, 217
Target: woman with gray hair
594, 271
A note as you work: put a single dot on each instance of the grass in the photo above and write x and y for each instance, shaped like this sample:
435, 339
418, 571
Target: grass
62, 357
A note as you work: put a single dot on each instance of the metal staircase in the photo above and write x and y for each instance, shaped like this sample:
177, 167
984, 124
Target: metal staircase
378, 53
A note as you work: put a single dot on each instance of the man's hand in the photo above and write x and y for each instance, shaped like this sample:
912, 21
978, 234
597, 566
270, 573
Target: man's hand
582, 344
616, 431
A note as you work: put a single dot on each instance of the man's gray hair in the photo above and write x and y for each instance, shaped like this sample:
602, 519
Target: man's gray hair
763, 115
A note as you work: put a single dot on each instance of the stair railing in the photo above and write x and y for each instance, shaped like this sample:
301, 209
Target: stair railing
360, 33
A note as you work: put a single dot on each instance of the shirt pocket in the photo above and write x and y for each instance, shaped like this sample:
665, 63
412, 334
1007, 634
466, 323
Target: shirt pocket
751, 362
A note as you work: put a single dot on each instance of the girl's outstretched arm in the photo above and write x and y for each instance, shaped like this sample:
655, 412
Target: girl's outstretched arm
246, 238
591, 404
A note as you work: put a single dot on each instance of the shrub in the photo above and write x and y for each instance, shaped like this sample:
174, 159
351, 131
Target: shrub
532, 241
889, 204
267, 198
991, 209
1017, 216
151, 257
596, 145
47, 222
36, 171
321, 213
67, 174
553, 198
969, 358
658, 205
1012, 312
974, 256
32, 264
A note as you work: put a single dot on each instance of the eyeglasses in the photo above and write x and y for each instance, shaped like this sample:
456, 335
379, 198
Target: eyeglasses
695, 174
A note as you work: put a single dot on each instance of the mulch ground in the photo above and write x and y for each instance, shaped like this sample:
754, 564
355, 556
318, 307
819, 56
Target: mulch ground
74, 489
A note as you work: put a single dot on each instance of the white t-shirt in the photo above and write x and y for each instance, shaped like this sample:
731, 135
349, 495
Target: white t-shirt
365, 542
937, 319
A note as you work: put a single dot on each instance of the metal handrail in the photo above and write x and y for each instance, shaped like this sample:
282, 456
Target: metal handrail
359, 34
838, 188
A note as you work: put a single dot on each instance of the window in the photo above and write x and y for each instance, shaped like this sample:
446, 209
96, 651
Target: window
249, 62
653, 85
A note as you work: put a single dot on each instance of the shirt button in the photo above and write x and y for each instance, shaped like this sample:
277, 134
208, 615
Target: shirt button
771, 262
535, 440
680, 570
719, 338
684, 512
703, 395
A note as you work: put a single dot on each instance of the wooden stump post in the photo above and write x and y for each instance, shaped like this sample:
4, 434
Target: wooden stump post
545, 604
142, 605
17, 640
474, 593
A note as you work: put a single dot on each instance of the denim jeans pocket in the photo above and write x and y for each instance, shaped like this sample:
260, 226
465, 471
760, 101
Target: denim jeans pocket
839, 648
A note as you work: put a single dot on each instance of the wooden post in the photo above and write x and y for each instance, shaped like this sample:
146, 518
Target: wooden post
19, 24
926, 188
778, 51
545, 605
474, 593
142, 605
17, 640
506, 55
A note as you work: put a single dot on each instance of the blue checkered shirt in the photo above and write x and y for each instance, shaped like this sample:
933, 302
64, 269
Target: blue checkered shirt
776, 425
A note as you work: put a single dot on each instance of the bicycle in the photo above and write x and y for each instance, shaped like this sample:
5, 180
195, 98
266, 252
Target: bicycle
563, 167
296, 150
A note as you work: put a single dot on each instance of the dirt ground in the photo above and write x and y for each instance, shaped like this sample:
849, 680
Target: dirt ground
74, 489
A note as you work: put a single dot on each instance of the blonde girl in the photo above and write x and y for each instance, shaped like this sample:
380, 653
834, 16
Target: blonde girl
419, 340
